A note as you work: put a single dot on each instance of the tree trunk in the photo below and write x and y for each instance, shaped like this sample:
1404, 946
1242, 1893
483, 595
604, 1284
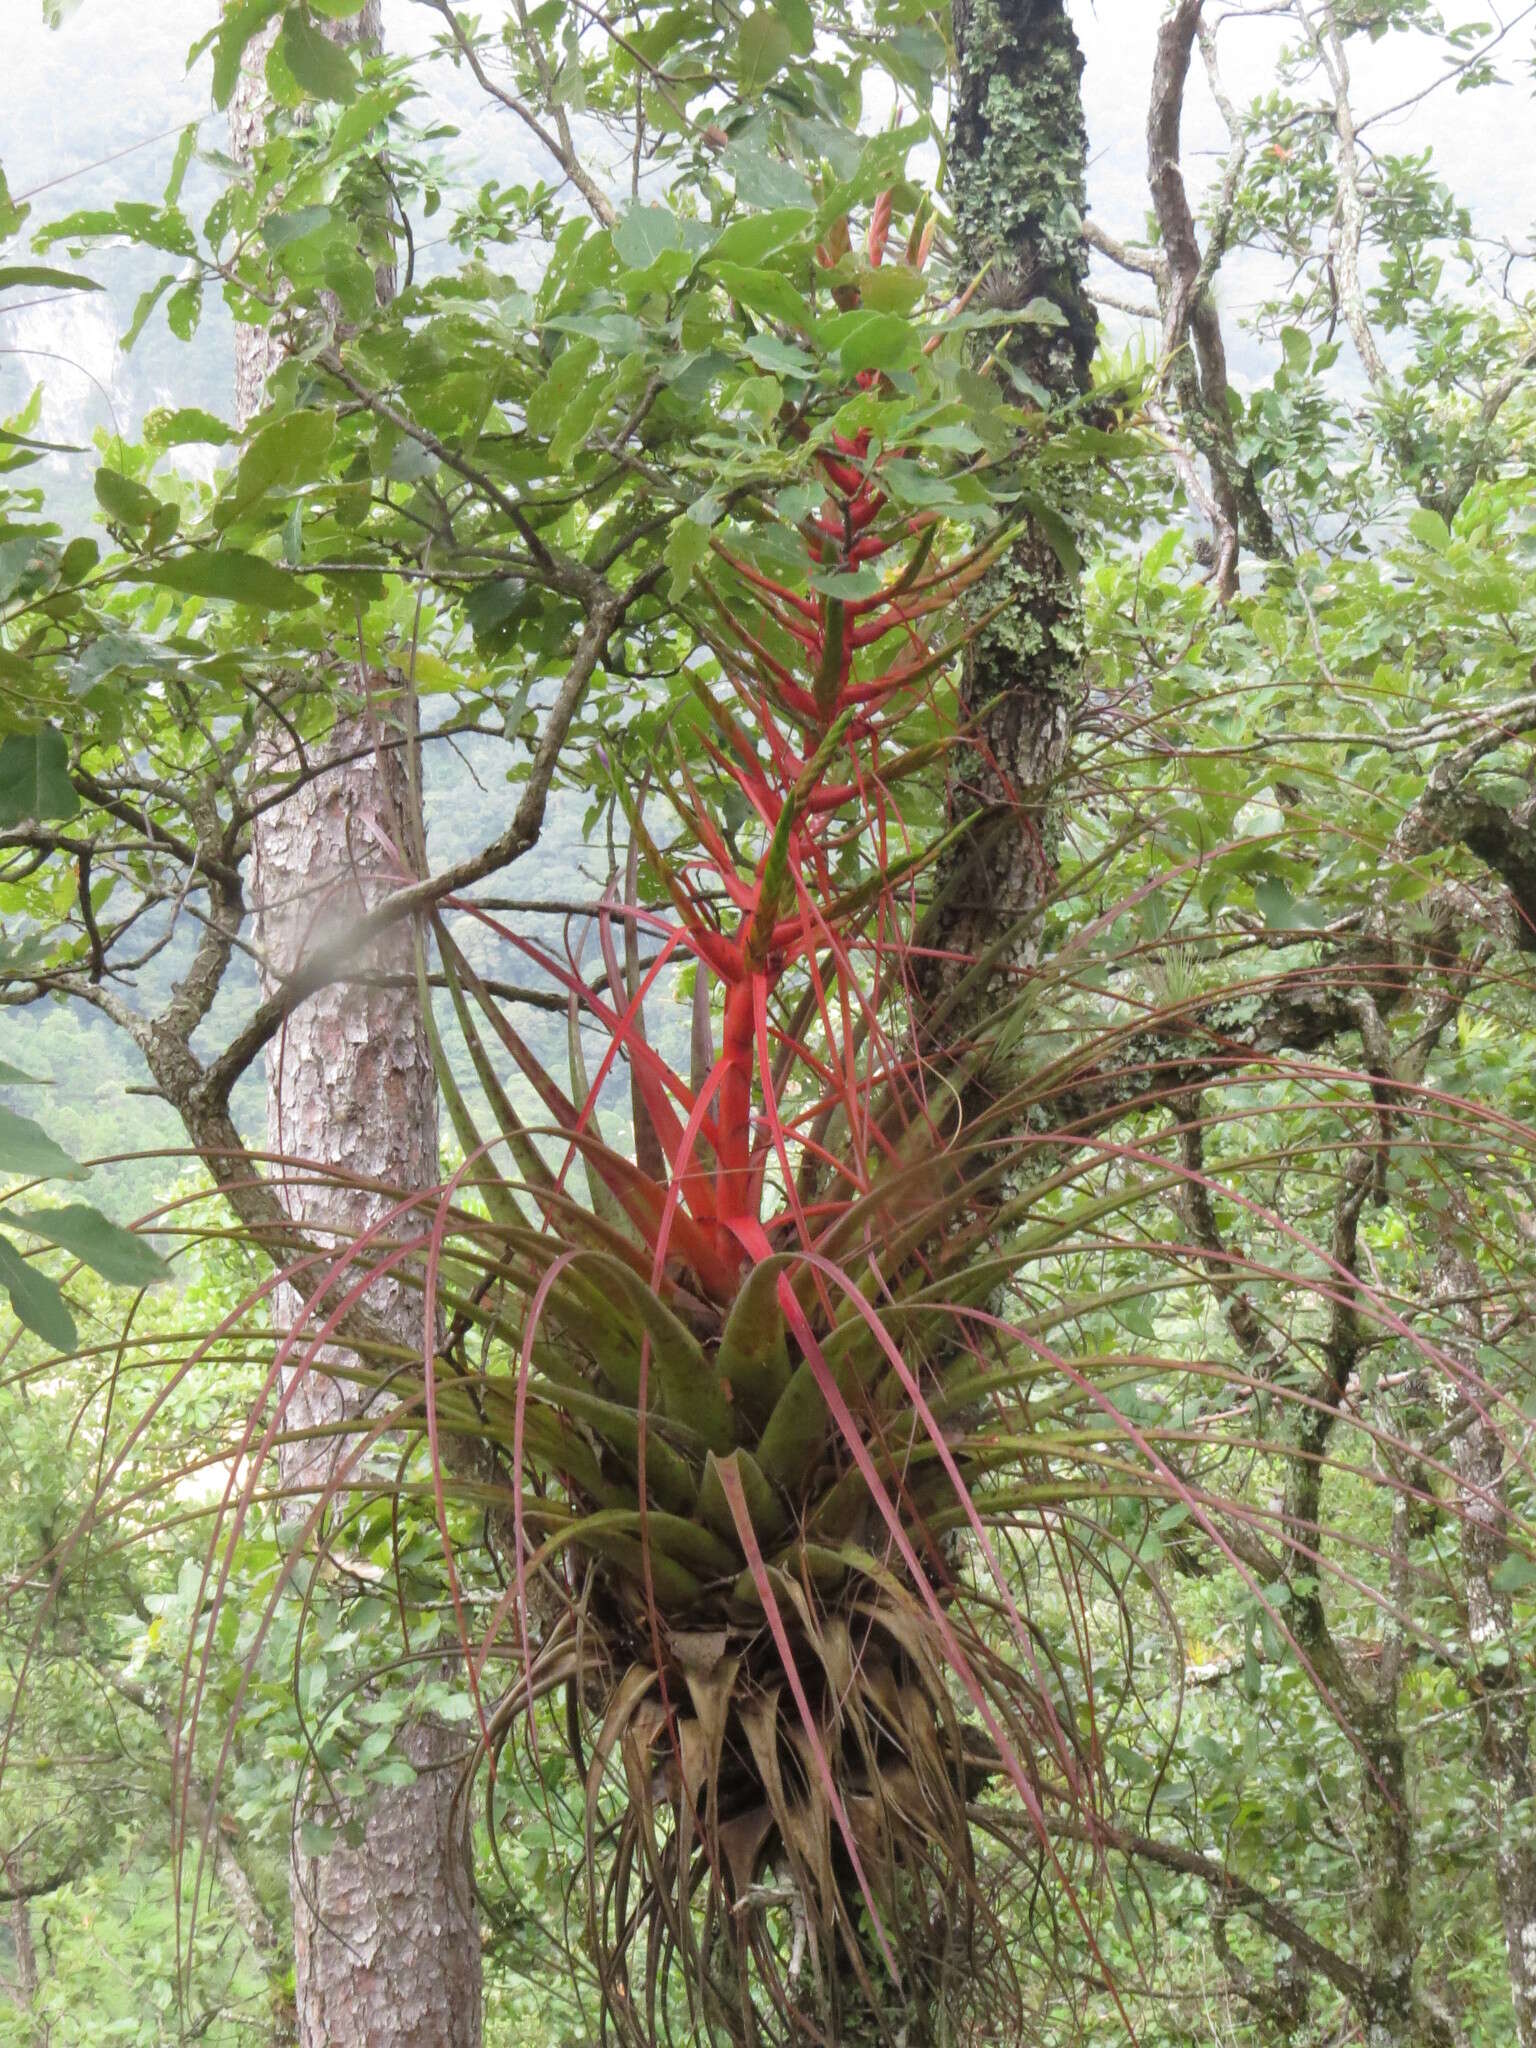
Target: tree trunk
1392, 2014
1496, 1670
19, 1983
386, 1937
1017, 156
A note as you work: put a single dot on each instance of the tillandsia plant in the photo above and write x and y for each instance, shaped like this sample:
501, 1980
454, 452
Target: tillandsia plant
738, 1425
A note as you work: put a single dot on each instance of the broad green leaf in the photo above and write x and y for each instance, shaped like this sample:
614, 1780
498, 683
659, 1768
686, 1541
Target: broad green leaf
81, 557
767, 181
798, 19
280, 455
579, 418
27, 1149
148, 300
567, 373
34, 778
116, 1254
922, 47
848, 584
227, 573
872, 341
230, 39
893, 288
1056, 530
184, 308
911, 484
179, 163
644, 233
1429, 529
764, 45
40, 276
1276, 904
756, 235
125, 502
760, 396
687, 546
782, 357
767, 292
173, 429
1516, 1574
1297, 349
320, 67
281, 230
38, 1304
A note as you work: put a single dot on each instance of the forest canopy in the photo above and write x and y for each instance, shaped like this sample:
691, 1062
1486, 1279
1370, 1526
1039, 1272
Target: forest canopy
766, 913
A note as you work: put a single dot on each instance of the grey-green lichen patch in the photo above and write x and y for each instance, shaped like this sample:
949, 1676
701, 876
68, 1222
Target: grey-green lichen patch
1018, 156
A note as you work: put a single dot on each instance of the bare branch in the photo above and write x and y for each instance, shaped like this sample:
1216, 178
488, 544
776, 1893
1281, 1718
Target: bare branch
560, 145
1349, 222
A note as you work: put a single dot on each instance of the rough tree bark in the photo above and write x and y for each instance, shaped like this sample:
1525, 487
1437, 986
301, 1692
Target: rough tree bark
1497, 1672
19, 1983
1017, 157
386, 1938
1192, 344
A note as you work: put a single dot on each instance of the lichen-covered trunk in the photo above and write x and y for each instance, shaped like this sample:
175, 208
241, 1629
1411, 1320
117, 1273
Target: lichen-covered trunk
1017, 154
1393, 2018
386, 1936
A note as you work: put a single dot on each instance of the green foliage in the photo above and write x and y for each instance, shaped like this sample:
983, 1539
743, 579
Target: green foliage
1266, 1077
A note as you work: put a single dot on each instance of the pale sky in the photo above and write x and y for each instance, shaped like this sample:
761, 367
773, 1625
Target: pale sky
114, 76
142, 48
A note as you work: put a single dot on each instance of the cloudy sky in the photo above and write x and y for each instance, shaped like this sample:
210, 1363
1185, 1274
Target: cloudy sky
113, 78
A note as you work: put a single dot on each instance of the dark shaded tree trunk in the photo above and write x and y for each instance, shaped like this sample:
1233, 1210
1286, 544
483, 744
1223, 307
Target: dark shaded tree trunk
1017, 156
386, 1937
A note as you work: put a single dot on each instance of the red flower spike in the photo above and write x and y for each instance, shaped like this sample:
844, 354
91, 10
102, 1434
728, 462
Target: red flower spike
847, 479
879, 230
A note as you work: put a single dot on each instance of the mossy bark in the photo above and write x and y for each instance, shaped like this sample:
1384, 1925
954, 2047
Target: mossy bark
1017, 155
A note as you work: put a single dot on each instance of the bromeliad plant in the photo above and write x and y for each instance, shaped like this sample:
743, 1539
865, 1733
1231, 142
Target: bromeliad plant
746, 1359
